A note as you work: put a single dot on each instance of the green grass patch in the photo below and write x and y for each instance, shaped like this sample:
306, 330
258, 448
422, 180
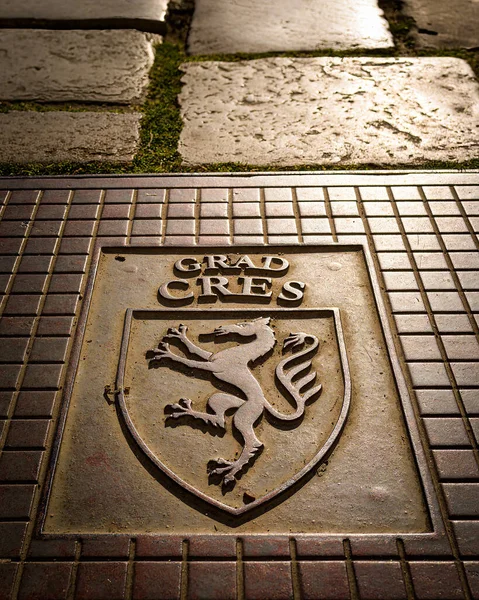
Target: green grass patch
6, 107
100, 168
400, 24
161, 123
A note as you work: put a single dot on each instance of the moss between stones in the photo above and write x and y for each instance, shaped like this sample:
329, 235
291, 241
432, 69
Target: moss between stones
6, 107
400, 25
162, 124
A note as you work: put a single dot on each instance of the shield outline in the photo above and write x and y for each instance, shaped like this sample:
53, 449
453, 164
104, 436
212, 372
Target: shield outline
323, 451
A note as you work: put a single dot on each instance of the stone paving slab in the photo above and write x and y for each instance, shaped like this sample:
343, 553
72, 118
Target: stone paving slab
75, 13
82, 66
58, 136
229, 26
444, 24
284, 111
420, 230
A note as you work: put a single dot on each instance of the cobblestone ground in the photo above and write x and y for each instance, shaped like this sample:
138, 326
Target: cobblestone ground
347, 85
392, 108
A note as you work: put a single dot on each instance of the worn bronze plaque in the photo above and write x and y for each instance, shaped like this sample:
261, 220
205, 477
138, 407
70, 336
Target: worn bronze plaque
254, 391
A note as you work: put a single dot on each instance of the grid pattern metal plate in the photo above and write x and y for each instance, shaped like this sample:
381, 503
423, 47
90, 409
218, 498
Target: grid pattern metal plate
420, 230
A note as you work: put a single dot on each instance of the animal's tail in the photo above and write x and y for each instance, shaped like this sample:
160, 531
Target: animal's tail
302, 360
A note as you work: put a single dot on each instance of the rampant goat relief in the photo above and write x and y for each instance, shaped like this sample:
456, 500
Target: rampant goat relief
232, 366
299, 381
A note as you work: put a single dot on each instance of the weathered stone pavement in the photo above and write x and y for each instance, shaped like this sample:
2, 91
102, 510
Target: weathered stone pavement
444, 24
229, 26
106, 65
82, 66
59, 136
109, 67
108, 12
281, 111
288, 111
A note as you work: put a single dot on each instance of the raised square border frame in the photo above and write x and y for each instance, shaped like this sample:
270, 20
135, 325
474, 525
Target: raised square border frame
437, 537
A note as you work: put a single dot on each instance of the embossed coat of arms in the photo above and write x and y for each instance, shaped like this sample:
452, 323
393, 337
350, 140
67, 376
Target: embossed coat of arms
235, 406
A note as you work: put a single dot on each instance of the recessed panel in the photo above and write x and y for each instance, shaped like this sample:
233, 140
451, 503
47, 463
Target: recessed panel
251, 391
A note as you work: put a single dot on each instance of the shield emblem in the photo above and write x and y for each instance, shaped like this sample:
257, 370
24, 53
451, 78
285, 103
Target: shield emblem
235, 406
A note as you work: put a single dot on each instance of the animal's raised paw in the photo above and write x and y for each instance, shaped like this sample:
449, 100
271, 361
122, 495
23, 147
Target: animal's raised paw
163, 351
226, 470
163, 348
222, 466
183, 407
223, 461
185, 403
220, 471
177, 332
158, 353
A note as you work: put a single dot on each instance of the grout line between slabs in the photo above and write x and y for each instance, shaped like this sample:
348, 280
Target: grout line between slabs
131, 216
294, 569
230, 215
74, 576
240, 594
197, 215
329, 212
164, 215
353, 584
464, 215
257, 559
405, 569
297, 215
130, 573
184, 571
3, 208
262, 208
